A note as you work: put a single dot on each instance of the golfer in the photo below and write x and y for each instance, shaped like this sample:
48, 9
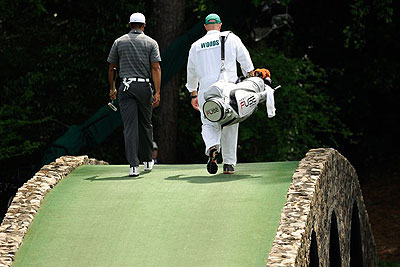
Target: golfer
137, 58
204, 67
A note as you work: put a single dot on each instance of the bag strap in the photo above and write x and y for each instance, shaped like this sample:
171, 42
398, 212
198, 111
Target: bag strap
223, 47
223, 38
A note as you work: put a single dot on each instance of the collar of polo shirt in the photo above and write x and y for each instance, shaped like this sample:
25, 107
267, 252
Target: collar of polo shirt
137, 31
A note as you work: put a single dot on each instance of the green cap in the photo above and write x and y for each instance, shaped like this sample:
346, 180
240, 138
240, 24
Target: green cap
212, 19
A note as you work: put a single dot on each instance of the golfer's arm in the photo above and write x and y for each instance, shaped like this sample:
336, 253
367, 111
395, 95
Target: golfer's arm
156, 74
111, 74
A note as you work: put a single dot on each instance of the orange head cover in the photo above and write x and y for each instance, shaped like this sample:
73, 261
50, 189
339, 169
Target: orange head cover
262, 73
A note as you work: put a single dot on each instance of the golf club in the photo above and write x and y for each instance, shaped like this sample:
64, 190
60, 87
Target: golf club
111, 104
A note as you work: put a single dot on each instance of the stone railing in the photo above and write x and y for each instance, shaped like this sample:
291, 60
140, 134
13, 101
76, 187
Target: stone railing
324, 221
27, 202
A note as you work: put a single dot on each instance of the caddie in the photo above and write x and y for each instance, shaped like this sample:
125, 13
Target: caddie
204, 67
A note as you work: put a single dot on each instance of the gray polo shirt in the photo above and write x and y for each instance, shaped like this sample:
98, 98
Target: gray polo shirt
134, 53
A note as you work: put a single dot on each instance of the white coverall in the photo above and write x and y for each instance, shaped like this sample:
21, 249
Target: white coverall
203, 67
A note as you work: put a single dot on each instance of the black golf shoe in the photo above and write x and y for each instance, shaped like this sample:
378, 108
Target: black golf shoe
212, 166
228, 169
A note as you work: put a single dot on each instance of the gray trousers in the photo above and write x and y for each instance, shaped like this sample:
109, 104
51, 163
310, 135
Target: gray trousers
136, 110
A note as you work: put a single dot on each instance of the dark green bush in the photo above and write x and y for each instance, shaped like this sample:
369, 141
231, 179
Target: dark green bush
306, 115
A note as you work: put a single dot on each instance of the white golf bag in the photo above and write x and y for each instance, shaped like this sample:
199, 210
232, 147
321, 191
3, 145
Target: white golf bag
228, 103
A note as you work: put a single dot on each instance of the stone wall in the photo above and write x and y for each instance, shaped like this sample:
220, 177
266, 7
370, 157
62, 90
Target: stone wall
27, 202
324, 221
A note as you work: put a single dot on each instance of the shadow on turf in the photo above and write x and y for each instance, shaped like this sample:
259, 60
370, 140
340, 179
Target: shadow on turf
219, 178
116, 178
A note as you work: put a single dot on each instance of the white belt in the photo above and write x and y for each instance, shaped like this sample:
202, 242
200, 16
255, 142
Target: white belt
127, 81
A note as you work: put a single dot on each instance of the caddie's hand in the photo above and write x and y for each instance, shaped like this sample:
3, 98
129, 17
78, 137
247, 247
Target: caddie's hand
156, 100
113, 94
195, 103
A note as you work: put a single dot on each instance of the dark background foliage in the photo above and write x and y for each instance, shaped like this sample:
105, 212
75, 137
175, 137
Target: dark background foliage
335, 61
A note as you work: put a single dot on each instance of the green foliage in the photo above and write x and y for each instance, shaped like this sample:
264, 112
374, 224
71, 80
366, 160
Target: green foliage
54, 74
55, 69
197, 10
388, 264
12, 145
355, 33
258, 2
306, 116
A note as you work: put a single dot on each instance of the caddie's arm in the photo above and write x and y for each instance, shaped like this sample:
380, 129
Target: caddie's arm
192, 80
156, 74
113, 91
243, 57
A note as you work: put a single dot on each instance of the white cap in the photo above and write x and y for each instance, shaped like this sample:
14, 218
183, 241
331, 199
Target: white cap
137, 17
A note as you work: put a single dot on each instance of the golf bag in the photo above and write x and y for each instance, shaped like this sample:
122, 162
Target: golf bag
228, 103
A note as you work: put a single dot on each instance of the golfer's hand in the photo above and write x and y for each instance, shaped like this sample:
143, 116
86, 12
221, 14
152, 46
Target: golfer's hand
195, 103
156, 100
113, 94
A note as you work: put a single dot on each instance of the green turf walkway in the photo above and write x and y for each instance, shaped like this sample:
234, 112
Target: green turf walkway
176, 215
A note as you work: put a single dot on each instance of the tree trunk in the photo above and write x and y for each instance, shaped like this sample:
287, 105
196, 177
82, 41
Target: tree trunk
167, 19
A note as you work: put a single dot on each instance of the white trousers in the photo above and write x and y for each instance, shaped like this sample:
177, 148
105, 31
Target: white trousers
225, 139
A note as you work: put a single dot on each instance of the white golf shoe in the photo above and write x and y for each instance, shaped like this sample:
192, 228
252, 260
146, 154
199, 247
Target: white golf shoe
148, 166
134, 171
